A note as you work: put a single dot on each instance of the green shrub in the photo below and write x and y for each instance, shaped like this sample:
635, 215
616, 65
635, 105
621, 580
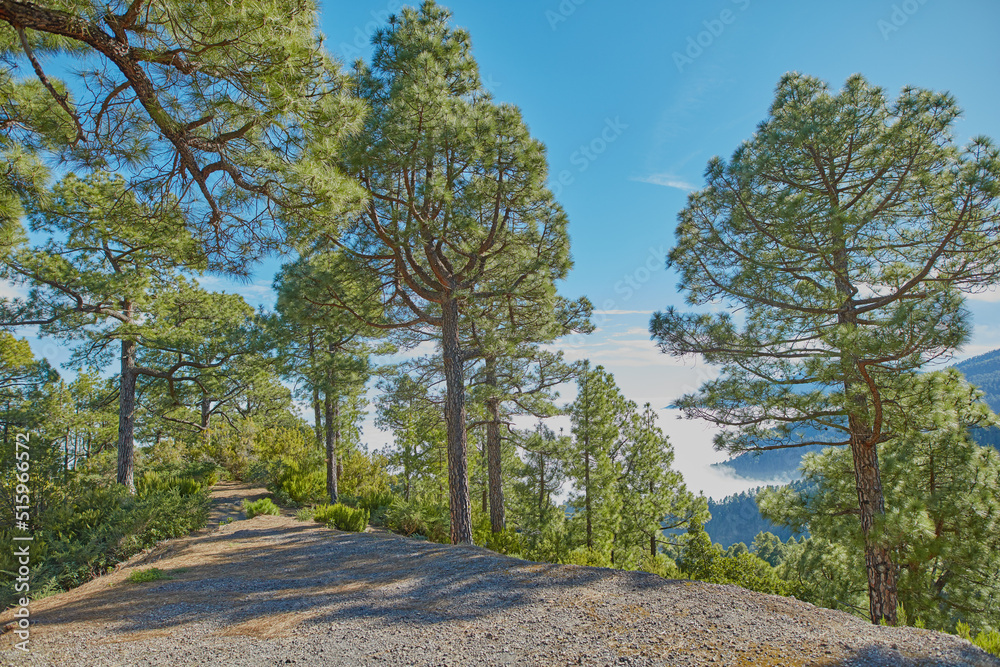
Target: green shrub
85, 529
988, 641
342, 517
299, 486
507, 541
152, 482
306, 513
585, 556
262, 506
144, 576
376, 502
419, 518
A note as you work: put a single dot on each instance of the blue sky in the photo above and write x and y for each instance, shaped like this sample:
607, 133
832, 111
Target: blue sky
633, 99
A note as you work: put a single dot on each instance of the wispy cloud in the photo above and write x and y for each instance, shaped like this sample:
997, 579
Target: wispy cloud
623, 312
667, 180
990, 295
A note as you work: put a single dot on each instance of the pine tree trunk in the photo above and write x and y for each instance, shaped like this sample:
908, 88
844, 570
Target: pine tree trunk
458, 464
882, 593
331, 451
541, 487
126, 414
498, 519
586, 483
206, 412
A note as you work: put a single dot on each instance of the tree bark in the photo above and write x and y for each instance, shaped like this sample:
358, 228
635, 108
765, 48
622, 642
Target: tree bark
459, 502
126, 413
331, 450
498, 519
316, 403
586, 483
882, 593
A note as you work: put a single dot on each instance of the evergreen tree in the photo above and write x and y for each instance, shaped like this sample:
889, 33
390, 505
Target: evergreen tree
99, 263
204, 109
325, 347
844, 233
943, 492
456, 214
600, 414
652, 494
419, 454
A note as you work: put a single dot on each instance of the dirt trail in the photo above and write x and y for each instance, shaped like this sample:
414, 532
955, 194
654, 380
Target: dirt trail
276, 591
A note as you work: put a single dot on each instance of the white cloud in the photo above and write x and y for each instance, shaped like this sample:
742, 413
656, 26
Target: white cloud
667, 180
991, 295
623, 312
9, 290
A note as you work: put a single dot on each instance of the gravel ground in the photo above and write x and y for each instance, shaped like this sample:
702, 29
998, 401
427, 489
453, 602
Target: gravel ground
275, 591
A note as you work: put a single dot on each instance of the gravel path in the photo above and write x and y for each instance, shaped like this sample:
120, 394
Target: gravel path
276, 591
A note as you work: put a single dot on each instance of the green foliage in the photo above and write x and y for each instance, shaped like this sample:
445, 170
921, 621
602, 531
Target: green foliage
508, 541
704, 561
588, 557
365, 475
988, 641
262, 506
87, 526
288, 461
942, 511
152, 482
419, 517
342, 517
258, 77
377, 503
147, 575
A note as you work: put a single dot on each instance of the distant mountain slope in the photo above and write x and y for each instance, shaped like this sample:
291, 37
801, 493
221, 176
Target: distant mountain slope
984, 372
781, 465
736, 518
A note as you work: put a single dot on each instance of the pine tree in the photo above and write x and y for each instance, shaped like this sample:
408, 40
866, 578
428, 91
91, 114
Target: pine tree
456, 212
327, 348
843, 234
943, 491
203, 107
652, 494
599, 414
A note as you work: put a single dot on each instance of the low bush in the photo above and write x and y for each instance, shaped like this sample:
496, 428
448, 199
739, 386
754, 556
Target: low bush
418, 517
342, 517
86, 529
258, 507
988, 641
376, 502
508, 541
144, 576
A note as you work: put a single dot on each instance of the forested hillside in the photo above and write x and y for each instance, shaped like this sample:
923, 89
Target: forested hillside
984, 372
158, 151
737, 518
